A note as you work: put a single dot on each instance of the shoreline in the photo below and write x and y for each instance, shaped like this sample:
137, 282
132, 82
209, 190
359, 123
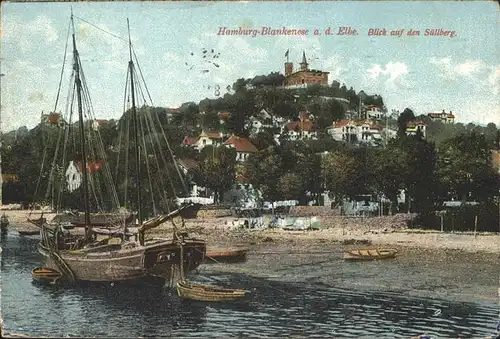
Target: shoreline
375, 232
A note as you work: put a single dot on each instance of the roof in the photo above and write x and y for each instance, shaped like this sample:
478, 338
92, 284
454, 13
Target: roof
188, 163
440, 115
52, 118
305, 125
100, 122
172, 111
224, 116
356, 122
416, 123
241, 144
211, 135
190, 140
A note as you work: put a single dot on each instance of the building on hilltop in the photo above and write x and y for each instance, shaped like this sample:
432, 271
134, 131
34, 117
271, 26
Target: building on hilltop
447, 118
304, 76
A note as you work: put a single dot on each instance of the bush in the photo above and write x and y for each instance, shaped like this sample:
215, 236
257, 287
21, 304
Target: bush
462, 218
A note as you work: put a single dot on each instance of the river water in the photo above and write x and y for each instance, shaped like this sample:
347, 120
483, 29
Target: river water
274, 309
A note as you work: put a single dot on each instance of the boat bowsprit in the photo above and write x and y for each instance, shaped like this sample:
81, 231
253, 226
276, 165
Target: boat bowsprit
370, 254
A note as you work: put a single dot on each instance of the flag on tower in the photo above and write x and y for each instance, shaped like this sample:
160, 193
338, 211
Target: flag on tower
286, 53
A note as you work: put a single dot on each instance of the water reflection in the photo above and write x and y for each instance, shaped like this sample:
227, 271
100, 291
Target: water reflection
273, 308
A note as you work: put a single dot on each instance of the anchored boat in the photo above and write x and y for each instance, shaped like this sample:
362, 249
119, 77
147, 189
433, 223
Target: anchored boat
46, 275
202, 292
109, 250
370, 254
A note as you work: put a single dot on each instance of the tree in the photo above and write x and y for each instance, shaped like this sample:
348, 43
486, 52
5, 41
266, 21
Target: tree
403, 120
264, 170
216, 170
465, 167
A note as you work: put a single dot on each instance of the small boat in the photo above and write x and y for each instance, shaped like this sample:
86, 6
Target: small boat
28, 232
226, 255
370, 254
46, 275
200, 292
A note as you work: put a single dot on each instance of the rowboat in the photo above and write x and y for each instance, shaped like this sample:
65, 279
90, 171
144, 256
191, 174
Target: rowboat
200, 292
370, 254
29, 232
46, 275
226, 255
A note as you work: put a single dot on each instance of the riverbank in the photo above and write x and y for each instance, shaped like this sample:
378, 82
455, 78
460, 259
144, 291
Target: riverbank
451, 266
377, 231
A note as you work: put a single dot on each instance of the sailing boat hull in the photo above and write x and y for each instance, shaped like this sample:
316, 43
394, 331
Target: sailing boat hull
156, 261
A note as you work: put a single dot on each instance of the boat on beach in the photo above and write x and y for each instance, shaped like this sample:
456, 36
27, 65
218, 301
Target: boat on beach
226, 255
370, 254
108, 249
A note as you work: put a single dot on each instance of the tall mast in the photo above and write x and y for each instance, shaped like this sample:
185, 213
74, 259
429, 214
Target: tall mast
136, 136
76, 65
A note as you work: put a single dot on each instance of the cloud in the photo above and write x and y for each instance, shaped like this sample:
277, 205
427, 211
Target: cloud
391, 74
453, 70
23, 34
494, 80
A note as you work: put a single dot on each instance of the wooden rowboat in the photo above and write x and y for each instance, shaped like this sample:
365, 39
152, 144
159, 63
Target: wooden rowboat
370, 254
29, 232
46, 275
201, 292
226, 255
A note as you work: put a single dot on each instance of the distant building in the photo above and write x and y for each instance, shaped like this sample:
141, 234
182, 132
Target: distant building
243, 147
301, 129
413, 126
356, 130
204, 139
53, 119
447, 118
97, 123
304, 76
373, 112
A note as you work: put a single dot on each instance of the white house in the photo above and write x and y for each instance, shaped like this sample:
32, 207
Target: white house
413, 126
364, 131
447, 118
243, 147
373, 112
204, 139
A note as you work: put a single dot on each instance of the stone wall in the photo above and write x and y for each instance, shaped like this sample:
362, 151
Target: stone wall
310, 211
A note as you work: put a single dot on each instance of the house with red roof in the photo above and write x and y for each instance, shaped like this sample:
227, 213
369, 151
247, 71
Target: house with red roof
446, 118
301, 129
243, 147
98, 123
204, 139
53, 119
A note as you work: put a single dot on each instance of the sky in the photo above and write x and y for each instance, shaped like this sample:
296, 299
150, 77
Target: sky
425, 73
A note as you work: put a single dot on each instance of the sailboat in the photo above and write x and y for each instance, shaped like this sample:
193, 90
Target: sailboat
110, 251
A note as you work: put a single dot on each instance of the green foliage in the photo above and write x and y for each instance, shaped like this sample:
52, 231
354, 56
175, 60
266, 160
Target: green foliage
216, 170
